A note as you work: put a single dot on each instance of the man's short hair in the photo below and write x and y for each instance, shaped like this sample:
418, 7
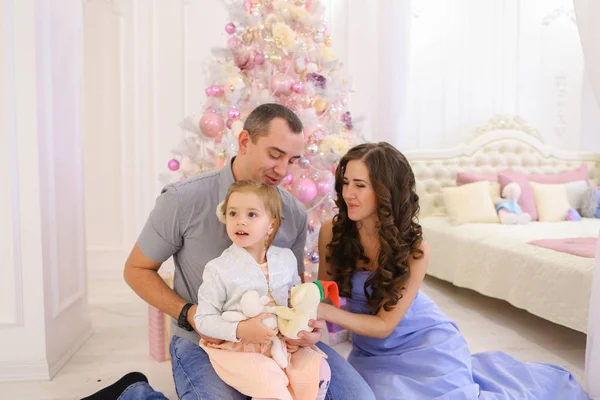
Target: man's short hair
257, 123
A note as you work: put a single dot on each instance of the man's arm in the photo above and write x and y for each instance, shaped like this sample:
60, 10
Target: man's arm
141, 274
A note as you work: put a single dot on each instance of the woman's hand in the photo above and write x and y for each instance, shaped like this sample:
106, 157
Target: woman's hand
322, 310
309, 338
254, 331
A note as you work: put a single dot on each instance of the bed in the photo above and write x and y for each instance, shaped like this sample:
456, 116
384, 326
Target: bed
496, 260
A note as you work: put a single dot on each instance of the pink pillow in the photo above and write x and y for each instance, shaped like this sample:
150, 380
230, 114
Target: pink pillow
463, 178
527, 201
578, 174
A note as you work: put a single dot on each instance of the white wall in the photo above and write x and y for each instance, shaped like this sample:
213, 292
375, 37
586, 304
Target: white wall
453, 65
44, 315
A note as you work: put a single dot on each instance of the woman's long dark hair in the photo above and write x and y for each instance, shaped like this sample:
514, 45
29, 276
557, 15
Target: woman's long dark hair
400, 235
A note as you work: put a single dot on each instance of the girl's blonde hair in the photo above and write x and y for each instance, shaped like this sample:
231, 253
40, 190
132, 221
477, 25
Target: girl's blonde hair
269, 196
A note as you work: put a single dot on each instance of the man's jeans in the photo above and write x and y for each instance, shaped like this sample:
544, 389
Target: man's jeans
196, 379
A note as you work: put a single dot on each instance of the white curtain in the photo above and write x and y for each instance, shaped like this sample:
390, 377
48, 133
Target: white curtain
371, 38
588, 15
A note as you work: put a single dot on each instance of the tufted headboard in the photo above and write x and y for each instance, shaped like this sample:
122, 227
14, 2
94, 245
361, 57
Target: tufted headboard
494, 147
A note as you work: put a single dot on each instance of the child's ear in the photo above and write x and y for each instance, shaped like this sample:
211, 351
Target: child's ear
272, 228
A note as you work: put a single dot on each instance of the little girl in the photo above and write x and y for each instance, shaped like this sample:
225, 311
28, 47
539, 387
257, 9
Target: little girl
252, 214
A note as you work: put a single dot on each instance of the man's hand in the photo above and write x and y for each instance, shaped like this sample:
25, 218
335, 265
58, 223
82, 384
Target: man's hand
309, 338
190, 319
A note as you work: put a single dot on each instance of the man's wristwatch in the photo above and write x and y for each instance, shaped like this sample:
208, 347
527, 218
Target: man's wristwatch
182, 321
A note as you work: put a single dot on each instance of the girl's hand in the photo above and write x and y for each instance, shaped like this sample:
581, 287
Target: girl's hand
254, 331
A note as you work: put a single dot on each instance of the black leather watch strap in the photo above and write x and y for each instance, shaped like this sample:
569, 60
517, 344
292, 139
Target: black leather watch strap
182, 321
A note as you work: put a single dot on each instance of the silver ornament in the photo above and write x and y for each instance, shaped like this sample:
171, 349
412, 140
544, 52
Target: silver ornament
304, 163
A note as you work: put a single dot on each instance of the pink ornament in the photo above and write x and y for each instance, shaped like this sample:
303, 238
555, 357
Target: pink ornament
288, 180
173, 165
305, 190
216, 91
229, 123
234, 42
247, 6
233, 114
259, 59
243, 60
298, 87
324, 186
211, 124
281, 84
208, 91
230, 28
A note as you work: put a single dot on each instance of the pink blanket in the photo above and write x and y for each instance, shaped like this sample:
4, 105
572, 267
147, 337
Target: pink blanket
581, 246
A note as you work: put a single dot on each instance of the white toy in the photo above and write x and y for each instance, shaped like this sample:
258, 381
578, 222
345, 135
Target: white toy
305, 299
253, 305
508, 209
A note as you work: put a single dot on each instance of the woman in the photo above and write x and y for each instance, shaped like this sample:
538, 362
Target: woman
403, 345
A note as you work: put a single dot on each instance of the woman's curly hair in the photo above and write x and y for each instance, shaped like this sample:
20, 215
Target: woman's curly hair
400, 235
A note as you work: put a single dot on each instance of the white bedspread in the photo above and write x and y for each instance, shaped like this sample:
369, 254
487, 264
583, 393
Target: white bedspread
495, 260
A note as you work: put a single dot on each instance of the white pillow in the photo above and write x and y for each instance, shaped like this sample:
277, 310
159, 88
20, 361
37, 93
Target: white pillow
495, 191
551, 201
575, 191
470, 203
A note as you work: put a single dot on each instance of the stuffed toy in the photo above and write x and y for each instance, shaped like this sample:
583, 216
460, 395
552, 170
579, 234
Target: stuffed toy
304, 300
508, 209
573, 215
590, 203
253, 305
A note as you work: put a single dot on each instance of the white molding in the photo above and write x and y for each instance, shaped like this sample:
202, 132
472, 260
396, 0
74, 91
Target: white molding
18, 371
8, 34
184, 61
80, 145
123, 134
48, 179
57, 365
46, 133
33, 370
138, 132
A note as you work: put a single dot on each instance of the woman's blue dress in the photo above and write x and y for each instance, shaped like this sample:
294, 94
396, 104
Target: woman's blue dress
426, 357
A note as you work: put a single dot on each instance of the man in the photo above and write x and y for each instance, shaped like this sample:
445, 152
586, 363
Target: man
184, 225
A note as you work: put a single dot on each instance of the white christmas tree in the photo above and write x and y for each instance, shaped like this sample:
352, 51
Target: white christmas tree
278, 51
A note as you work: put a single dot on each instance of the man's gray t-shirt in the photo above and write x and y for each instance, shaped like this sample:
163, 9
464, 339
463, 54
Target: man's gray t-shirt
184, 224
